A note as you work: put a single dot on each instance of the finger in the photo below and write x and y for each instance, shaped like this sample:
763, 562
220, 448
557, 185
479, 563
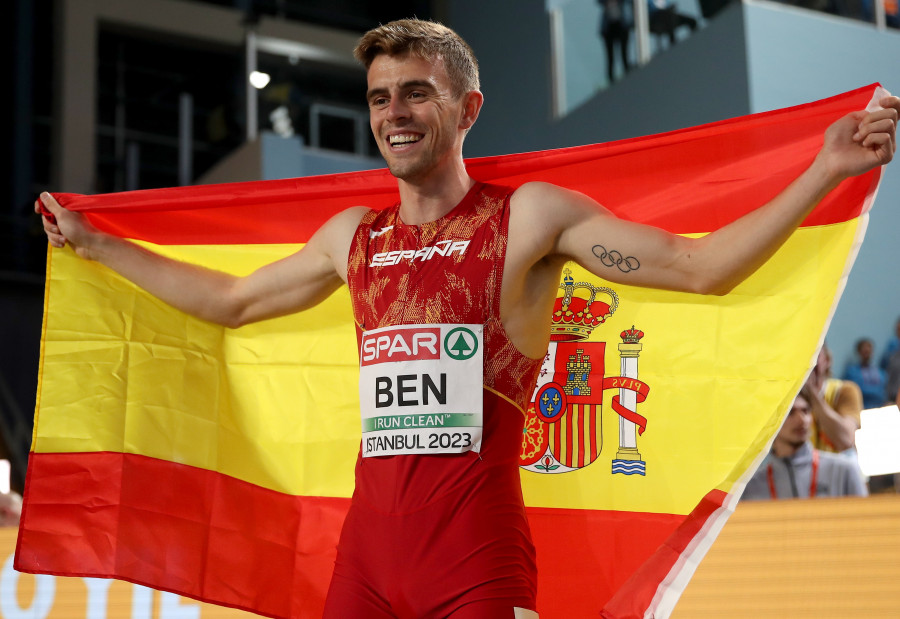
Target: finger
877, 122
881, 116
881, 149
876, 139
48, 206
50, 227
56, 240
889, 114
890, 102
885, 126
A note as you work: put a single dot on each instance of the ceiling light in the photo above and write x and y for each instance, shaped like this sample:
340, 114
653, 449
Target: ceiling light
259, 79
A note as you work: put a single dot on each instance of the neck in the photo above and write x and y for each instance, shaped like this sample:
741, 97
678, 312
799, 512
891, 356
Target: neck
430, 198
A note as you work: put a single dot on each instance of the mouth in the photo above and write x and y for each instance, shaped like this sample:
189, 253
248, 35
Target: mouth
401, 140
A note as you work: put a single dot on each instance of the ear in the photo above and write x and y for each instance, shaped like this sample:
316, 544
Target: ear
472, 102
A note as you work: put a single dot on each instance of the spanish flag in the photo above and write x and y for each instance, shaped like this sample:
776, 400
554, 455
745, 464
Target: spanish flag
218, 463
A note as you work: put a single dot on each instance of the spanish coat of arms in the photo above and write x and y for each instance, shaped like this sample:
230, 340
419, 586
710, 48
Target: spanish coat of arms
563, 426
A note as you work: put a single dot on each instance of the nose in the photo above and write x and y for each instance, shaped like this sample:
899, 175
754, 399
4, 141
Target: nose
397, 109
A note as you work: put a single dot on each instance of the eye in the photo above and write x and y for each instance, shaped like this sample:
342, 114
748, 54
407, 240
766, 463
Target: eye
415, 95
378, 102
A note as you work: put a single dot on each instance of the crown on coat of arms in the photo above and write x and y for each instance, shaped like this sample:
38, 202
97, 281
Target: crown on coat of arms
631, 336
578, 311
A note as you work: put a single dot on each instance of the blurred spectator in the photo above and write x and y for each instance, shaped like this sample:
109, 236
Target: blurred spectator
892, 391
665, 20
836, 406
864, 373
892, 19
795, 469
615, 27
10, 509
893, 345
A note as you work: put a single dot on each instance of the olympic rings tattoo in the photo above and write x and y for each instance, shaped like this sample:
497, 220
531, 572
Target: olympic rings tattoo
615, 259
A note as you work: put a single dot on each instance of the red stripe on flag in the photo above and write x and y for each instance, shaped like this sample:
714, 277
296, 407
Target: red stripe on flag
584, 556
140, 519
583, 410
692, 180
633, 598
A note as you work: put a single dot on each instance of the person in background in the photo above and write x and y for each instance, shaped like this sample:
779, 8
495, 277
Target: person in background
892, 384
836, 406
796, 469
665, 19
10, 509
870, 379
893, 345
615, 27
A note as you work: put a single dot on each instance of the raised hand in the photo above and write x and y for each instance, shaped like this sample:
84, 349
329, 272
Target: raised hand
63, 226
861, 141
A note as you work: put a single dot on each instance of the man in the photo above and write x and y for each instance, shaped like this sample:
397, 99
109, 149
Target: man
870, 379
795, 469
892, 389
836, 407
892, 346
459, 517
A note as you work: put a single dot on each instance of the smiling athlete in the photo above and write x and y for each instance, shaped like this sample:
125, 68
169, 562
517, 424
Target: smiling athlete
437, 526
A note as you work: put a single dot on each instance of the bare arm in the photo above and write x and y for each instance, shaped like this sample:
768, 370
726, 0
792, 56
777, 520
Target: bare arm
289, 285
840, 422
635, 254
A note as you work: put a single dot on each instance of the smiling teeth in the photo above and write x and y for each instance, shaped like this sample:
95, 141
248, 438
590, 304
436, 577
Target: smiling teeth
403, 139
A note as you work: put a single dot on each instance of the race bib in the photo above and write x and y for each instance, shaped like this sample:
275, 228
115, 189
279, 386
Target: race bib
420, 389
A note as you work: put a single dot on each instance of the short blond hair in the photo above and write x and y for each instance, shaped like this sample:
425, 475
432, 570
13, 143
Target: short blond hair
426, 39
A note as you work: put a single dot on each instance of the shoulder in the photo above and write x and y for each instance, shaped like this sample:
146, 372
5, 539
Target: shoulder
538, 191
336, 235
554, 203
838, 463
849, 390
343, 224
349, 219
852, 369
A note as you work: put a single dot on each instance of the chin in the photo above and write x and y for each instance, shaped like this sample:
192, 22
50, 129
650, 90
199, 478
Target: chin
406, 173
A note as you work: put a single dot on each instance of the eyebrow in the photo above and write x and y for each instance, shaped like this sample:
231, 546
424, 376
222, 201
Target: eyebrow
404, 86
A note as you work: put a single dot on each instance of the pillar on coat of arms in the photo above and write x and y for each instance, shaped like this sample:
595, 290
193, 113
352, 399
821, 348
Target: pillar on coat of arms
628, 459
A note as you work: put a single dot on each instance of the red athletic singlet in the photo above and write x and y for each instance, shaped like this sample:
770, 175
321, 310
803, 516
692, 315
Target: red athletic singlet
432, 535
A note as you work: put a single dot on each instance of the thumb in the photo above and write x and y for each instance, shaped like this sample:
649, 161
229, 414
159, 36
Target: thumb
49, 207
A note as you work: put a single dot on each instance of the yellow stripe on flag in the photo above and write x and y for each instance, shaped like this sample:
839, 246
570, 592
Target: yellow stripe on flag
157, 387
716, 382
242, 416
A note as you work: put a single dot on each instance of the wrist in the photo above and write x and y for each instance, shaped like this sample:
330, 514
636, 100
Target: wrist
825, 173
98, 246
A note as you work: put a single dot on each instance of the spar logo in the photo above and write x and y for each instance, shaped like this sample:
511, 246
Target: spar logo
461, 344
412, 344
564, 423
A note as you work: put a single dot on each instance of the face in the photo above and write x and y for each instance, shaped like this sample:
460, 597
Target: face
796, 427
417, 121
865, 351
823, 363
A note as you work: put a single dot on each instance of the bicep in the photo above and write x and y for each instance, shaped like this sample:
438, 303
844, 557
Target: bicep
289, 285
618, 250
303, 279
